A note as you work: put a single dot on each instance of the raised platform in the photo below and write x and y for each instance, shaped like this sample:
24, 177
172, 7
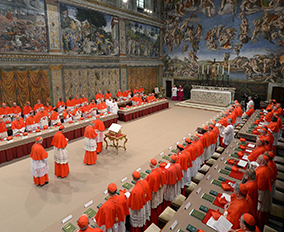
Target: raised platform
202, 105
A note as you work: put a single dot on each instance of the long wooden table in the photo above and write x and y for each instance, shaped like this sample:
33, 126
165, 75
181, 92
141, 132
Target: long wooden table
21, 146
243, 133
183, 216
128, 114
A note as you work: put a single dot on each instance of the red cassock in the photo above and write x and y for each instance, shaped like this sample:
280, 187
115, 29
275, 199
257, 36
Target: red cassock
69, 103
100, 126
90, 145
60, 103
27, 110
139, 198
16, 109
114, 210
264, 185
250, 112
37, 106
198, 147
18, 124
83, 99
76, 101
108, 95
237, 208
268, 117
60, 155
253, 193
256, 152
99, 96
40, 114
156, 180
119, 94
40, 175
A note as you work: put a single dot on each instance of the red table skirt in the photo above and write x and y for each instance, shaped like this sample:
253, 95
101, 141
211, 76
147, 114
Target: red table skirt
23, 150
142, 112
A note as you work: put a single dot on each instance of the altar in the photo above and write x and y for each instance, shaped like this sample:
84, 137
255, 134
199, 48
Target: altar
210, 94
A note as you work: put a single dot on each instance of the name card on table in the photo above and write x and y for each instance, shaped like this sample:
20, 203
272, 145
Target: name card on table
183, 138
51, 130
10, 141
39, 133
162, 153
76, 122
105, 192
87, 120
208, 177
88, 204
177, 143
187, 206
198, 190
24, 137
174, 225
66, 219
138, 170
170, 148
124, 179
216, 167
222, 159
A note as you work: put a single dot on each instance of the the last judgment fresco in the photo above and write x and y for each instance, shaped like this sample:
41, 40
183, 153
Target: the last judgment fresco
240, 39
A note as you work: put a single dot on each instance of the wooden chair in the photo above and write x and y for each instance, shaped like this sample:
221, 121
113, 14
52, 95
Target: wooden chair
280, 176
204, 169
178, 201
165, 216
279, 160
278, 198
153, 228
215, 155
280, 168
280, 186
211, 162
190, 188
220, 149
268, 229
197, 178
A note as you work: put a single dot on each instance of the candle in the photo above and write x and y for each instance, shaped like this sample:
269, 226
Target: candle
229, 69
218, 69
208, 69
223, 69
203, 69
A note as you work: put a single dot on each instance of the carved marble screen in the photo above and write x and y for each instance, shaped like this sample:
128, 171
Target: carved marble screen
89, 81
142, 39
88, 32
147, 77
23, 26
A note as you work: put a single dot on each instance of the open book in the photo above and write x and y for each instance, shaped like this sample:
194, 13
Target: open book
115, 127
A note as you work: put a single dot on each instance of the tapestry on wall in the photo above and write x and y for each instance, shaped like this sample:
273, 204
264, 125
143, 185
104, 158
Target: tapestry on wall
23, 26
23, 86
145, 77
212, 39
88, 32
142, 39
89, 81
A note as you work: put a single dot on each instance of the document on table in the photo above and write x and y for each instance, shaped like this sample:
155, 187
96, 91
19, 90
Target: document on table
242, 163
222, 224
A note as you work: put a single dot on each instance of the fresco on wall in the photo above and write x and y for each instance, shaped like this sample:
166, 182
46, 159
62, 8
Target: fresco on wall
88, 32
142, 39
211, 39
23, 26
